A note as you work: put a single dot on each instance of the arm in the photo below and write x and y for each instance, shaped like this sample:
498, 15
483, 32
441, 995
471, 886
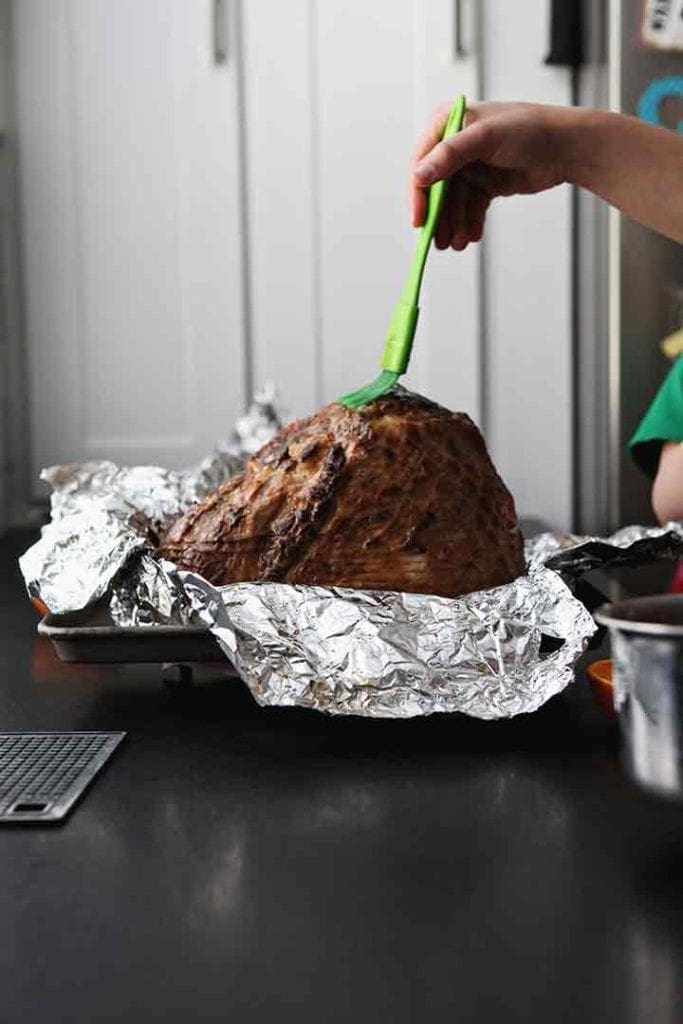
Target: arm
522, 148
631, 165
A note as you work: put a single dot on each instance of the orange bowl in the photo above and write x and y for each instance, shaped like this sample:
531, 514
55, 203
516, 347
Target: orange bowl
602, 685
41, 608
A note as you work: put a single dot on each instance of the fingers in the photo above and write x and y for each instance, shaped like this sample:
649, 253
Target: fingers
459, 195
439, 160
476, 214
433, 133
462, 218
463, 215
446, 226
419, 206
426, 143
472, 144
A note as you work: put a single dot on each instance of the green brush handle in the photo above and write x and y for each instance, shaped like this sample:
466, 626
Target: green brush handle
404, 320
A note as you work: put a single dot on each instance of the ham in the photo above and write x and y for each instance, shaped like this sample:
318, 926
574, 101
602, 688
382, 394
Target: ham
398, 495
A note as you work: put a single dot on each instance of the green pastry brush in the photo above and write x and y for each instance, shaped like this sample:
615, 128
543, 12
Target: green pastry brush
401, 332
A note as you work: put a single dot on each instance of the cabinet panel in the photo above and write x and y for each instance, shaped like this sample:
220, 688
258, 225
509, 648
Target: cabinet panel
357, 83
404, 62
280, 102
130, 187
528, 249
365, 132
336, 93
447, 353
50, 256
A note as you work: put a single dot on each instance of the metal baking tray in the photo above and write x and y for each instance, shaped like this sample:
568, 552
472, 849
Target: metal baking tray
91, 636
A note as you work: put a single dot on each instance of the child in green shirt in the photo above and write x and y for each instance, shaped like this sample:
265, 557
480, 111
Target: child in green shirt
657, 446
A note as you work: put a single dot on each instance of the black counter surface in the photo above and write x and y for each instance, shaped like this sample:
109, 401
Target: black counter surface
238, 864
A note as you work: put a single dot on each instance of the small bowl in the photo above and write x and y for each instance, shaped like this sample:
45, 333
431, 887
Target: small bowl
602, 684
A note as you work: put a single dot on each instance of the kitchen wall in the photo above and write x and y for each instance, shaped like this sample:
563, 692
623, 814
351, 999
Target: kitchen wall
199, 218
4, 490
5, 83
527, 286
14, 454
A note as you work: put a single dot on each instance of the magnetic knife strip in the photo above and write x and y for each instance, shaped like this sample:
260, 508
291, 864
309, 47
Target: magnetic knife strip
42, 774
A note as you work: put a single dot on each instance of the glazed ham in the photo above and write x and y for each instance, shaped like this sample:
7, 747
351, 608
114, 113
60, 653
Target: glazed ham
398, 495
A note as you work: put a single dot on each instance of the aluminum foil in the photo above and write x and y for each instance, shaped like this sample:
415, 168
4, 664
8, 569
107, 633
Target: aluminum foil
104, 520
393, 655
493, 654
573, 556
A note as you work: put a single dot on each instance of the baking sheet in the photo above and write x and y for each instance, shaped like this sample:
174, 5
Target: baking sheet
340, 651
84, 637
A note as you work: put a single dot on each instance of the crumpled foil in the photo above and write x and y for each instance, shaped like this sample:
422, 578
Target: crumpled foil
393, 655
573, 556
493, 654
104, 519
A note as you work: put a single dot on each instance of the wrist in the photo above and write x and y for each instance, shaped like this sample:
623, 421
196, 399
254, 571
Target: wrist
581, 137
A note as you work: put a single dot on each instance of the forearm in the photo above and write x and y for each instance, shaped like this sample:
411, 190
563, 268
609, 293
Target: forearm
632, 165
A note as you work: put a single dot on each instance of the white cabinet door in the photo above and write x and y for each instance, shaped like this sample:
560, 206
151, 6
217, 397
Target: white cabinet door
336, 92
528, 294
130, 189
280, 96
447, 365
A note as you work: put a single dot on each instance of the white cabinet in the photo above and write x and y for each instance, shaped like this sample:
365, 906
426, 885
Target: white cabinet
527, 413
134, 242
4, 324
336, 93
192, 229
128, 137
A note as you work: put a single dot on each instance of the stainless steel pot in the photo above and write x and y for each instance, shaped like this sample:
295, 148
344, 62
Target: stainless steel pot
647, 653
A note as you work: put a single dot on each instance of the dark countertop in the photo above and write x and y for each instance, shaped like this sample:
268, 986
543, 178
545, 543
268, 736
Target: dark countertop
238, 864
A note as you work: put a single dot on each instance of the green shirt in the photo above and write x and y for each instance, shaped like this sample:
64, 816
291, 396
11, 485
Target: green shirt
662, 422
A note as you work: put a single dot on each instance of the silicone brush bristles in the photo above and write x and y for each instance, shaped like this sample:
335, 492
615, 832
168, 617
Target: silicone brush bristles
379, 387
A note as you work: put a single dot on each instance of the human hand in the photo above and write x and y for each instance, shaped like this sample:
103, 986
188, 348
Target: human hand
504, 149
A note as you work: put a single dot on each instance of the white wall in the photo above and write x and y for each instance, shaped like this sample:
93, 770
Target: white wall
528, 288
4, 64
132, 243
335, 93
13, 418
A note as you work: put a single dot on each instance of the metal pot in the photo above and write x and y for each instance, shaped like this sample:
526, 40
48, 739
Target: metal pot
647, 653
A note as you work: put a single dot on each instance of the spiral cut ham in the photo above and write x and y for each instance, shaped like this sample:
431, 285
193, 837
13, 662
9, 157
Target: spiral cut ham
398, 495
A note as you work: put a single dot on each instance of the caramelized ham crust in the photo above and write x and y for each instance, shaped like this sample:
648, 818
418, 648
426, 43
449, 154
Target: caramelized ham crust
399, 495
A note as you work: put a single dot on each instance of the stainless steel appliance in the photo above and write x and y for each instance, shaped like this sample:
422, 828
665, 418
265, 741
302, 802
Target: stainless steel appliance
629, 279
